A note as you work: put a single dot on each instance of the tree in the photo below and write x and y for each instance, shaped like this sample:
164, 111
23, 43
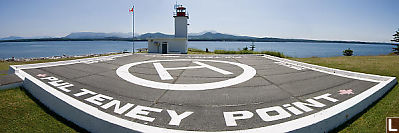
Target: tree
396, 39
396, 36
252, 46
396, 50
348, 52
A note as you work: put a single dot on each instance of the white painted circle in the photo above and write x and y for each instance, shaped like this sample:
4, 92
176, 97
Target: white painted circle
247, 74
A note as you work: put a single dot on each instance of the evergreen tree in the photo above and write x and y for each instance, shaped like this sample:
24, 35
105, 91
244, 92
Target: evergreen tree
396, 39
252, 46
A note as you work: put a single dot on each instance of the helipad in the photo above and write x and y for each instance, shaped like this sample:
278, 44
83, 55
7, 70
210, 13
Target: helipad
201, 93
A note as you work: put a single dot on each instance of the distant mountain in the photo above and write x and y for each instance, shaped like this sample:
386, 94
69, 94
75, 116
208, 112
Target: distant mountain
218, 36
201, 33
38, 37
202, 36
211, 35
12, 38
198, 36
154, 35
95, 35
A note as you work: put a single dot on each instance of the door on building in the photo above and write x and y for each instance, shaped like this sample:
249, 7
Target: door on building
164, 47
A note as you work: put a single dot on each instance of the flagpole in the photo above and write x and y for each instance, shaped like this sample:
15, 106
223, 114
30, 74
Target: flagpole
133, 30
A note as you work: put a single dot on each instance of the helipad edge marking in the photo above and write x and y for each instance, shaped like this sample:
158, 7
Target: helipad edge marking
281, 127
332, 71
307, 123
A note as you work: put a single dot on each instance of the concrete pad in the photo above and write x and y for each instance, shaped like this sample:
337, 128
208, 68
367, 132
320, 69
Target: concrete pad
225, 97
66, 72
9, 81
201, 93
277, 71
303, 87
290, 77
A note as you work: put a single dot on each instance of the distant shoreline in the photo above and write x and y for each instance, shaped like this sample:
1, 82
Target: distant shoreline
217, 40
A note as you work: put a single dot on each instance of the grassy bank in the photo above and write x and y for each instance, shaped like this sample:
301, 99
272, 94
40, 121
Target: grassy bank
21, 113
199, 51
373, 119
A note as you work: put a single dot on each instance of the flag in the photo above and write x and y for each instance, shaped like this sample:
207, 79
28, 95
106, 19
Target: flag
131, 10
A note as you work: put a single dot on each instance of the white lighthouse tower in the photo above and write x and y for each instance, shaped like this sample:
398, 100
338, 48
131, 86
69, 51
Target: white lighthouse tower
176, 45
180, 21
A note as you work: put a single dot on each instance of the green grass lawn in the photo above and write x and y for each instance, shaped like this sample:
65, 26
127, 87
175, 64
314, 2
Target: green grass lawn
21, 113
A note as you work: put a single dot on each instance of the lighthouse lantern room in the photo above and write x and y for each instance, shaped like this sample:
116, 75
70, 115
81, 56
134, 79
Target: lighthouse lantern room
178, 44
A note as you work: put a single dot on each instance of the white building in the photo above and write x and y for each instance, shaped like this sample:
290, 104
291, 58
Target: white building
176, 45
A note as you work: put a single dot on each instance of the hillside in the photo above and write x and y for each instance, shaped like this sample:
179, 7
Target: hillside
205, 36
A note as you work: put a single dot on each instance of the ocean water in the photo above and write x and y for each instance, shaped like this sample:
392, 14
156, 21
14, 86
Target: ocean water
294, 49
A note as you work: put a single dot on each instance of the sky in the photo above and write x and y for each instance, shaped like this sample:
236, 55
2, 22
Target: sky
360, 20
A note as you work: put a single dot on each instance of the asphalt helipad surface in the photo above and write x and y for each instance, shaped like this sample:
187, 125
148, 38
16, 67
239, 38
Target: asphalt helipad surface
171, 93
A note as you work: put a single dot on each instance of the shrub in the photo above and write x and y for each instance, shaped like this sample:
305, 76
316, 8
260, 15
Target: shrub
195, 50
348, 52
225, 52
272, 53
245, 48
